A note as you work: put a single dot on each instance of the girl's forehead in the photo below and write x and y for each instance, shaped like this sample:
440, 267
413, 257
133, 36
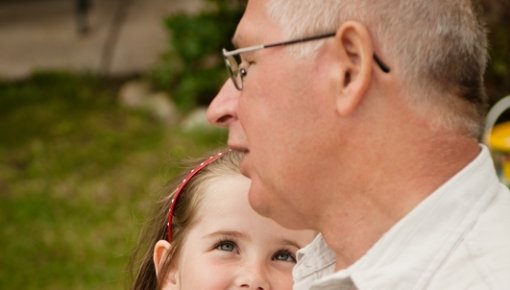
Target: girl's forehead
223, 193
225, 208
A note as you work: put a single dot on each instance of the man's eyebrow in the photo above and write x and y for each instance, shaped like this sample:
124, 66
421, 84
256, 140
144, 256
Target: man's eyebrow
235, 43
236, 40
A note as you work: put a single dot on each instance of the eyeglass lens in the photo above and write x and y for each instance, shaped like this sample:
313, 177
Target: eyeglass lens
232, 62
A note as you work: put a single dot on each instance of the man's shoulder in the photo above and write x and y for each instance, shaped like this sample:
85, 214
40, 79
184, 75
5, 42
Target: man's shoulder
481, 260
473, 267
491, 232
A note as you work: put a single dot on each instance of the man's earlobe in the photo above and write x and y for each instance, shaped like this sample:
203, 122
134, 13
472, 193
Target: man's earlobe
354, 52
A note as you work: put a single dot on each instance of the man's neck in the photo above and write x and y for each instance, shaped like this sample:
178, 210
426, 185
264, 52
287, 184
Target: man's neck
353, 225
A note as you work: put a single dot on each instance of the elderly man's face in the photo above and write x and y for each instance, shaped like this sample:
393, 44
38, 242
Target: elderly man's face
281, 119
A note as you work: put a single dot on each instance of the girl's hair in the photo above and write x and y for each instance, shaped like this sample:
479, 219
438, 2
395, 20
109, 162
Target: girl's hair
184, 216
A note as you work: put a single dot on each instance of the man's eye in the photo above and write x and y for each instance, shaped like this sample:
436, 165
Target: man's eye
243, 72
284, 255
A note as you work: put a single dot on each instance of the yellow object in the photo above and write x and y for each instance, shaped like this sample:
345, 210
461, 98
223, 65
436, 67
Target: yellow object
499, 138
506, 171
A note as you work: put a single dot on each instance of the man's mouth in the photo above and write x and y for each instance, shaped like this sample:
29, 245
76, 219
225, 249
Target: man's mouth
238, 148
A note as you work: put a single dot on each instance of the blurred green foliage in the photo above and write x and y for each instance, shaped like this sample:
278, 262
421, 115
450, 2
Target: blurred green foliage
192, 69
78, 175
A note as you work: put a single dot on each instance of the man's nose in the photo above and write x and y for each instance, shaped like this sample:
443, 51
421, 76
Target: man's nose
223, 108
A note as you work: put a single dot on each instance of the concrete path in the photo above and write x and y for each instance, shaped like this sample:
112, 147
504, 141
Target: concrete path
42, 35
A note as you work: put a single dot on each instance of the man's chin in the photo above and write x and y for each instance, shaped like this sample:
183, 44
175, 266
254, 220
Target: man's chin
266, 208
243, 167
255, 195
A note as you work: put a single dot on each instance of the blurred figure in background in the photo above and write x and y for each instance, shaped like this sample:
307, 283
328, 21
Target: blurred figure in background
82, 8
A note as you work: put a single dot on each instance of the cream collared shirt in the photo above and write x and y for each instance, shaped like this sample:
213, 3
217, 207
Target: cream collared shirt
458, 238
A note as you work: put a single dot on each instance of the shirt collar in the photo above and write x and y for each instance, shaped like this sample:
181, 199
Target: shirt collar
316, 256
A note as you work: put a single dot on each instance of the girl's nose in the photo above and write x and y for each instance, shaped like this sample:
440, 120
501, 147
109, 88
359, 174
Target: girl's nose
254, 277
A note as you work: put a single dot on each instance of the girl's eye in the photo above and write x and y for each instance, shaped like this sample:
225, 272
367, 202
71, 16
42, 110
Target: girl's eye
227, 246
284, 255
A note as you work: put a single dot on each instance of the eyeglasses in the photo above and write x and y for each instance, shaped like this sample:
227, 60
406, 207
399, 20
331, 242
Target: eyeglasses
237, 73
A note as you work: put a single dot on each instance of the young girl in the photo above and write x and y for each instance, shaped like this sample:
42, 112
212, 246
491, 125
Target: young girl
206, 236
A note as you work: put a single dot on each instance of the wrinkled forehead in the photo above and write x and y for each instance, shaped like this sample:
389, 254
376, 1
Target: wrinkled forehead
256, 26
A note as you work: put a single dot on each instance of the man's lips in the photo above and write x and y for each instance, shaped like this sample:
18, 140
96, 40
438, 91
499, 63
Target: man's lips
237, 147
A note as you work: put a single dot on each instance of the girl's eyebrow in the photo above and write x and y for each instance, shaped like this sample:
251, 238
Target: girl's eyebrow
236, 234
288, 242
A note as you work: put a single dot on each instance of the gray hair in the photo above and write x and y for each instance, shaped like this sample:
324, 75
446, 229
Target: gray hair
438, 48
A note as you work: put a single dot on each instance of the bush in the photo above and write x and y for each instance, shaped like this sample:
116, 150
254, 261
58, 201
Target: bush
193, 69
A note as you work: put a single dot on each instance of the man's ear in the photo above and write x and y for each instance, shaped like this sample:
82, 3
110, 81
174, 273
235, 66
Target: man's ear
354, 58
161, 252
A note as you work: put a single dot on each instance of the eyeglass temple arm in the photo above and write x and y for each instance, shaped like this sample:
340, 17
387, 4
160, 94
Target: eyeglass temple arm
385, 68
381, 64
243, 50
262, 46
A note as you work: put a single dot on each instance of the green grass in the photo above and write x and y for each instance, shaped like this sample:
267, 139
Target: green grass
78, 175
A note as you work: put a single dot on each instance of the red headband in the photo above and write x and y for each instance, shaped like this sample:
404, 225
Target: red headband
184, 182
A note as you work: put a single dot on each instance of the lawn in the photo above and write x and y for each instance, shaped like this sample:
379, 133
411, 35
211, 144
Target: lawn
78, 175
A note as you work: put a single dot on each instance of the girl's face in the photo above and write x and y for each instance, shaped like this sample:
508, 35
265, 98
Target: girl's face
230, 246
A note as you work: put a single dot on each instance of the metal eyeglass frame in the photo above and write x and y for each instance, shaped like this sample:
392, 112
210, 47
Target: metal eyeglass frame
237, 74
